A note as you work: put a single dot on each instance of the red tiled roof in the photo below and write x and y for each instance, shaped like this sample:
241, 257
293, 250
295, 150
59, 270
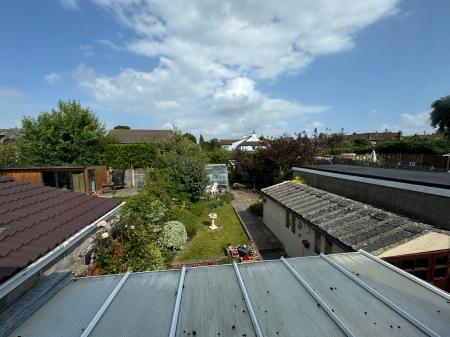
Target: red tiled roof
36, 219
228, 141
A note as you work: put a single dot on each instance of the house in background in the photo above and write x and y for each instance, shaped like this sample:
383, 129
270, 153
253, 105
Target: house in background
134, 136
86, 179
8, 135
44, 229
377, 137
246, 144
309, 221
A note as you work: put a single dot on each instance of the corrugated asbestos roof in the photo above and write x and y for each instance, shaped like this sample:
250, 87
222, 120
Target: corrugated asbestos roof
36, 219
350, 294
357, 225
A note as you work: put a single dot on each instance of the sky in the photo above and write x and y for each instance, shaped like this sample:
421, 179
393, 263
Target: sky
224, 68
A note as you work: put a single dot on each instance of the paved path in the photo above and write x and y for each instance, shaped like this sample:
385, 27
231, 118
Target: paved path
427, 178
268, 245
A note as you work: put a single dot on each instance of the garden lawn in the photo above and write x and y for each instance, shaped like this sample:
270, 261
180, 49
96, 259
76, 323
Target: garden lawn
209, 244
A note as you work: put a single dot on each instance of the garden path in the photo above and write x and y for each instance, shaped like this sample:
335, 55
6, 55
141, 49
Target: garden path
268, 245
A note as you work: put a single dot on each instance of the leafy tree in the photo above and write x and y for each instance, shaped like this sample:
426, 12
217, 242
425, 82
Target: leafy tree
219, 156
191, 137
201, 141
440, 116
70, 134
211, 145
126, 127
8, 154
274, 163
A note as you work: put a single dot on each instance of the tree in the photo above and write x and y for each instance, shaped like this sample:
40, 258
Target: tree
8, 154
126, 127
68, 135
190, 137
440, 116
201, 141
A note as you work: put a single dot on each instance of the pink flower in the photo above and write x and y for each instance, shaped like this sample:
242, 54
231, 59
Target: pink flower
102, 223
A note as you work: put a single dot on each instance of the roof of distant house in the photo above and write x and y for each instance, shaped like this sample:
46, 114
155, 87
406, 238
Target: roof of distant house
377, 136
354, 224
351, 294
228, 141
36, 219
8, 134
133, 136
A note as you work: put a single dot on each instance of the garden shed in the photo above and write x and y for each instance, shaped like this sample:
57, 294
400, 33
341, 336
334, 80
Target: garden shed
86, 179
217, 173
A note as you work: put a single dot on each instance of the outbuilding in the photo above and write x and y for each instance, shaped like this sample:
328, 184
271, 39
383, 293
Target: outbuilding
86, 179
309, 221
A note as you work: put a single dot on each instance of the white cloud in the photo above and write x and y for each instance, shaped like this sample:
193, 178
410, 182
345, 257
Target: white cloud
69, 4
86, 50
52, 78
213, 54
109, 44
411, 124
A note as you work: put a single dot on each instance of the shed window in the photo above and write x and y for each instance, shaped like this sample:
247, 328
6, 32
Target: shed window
290, 219
317, 242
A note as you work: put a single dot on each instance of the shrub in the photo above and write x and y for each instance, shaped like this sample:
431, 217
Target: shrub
145, 212
299, 180
420, 146
227, 197
173, 235
141, 258
257, 208
198, 208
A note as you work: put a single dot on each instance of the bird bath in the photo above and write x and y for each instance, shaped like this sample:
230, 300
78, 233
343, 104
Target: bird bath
212, 216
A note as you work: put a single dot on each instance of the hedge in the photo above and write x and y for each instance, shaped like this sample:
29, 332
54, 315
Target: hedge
123, 156
416, 146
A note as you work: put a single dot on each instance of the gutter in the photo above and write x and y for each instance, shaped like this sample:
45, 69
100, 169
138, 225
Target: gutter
25, 274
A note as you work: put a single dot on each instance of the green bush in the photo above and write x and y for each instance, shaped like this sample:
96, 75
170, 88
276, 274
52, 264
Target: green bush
173, 235
146, 212
417, 146
189, 219
198, 208
257, 208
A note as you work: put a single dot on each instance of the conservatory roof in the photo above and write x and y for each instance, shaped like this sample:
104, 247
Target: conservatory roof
359, 295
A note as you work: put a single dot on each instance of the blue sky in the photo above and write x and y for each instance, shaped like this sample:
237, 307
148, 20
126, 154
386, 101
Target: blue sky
222, 69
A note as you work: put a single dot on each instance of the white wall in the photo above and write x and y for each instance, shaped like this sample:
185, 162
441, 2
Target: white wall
274, 216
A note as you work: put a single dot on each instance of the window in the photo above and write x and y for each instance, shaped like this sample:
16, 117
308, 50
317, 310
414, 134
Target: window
317, 242
299, 226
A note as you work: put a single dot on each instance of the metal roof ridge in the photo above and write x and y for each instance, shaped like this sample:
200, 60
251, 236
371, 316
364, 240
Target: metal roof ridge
321, 302
105, 306
409, 276
176, 308
248, 303
382, 298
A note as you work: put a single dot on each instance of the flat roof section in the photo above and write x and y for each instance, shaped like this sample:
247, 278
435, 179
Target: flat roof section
287, 297
425, 178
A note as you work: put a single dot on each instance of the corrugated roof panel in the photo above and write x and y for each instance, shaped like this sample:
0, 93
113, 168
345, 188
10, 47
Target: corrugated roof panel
212, 303
70, 310
283, 307
357, 308
147, 300
427, 306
